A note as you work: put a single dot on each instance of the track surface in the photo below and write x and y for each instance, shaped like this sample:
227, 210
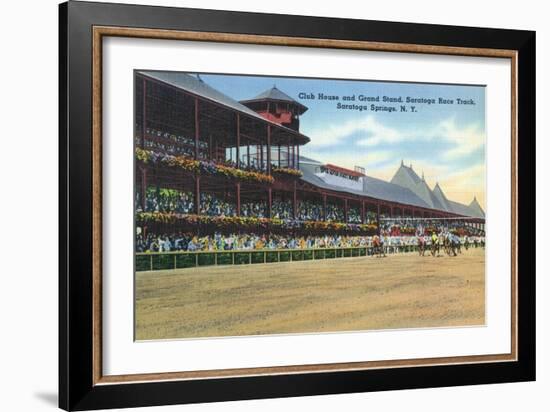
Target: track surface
399, 291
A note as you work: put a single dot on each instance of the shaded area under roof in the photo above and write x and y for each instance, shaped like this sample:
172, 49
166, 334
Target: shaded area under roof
198, 87
193, 85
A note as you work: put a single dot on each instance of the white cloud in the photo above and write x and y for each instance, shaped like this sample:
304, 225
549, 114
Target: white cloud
378, 133
465, 139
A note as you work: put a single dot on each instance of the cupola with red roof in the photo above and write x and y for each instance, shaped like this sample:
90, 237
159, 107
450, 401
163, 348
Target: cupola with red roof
278, 107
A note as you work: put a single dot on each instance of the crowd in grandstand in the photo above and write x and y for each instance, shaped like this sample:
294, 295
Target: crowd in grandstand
214, 206
251, 241
166, 200
335, 213
308, 210
171, 143
281, 209
185, 146
354, 215
409, 227
170, 200
254, 209
218, 241
394, 233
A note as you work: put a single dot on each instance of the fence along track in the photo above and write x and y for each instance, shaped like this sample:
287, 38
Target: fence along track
183, 259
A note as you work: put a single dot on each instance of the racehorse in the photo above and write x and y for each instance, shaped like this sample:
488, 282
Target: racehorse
451, 244
458, 245
378, 246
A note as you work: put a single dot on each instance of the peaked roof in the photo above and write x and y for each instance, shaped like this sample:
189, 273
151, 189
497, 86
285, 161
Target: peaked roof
406, 177
440, 196
423, 190
475, 207
275, 94
459, 208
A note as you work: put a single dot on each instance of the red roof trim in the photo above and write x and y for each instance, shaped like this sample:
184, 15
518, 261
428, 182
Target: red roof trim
344, 170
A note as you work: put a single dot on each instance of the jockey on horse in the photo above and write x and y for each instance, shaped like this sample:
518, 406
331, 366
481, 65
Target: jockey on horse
450, 244
458, 244
378, 245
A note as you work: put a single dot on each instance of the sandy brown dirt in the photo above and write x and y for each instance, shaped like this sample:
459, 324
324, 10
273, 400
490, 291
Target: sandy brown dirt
399, 291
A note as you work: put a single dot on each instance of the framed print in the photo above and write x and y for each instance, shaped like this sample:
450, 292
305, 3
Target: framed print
257, 205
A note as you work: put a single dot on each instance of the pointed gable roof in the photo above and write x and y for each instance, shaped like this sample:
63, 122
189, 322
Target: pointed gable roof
440, 196
406, 177
459, 208
425, 193
275, 94
475, 208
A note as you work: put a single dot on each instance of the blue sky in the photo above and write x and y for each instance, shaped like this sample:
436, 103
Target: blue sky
445, 141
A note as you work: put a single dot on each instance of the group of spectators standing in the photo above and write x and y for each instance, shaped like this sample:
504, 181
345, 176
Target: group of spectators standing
404, 226
171, 200
179, 145
218, 242
251, 241
170, 143
394, 233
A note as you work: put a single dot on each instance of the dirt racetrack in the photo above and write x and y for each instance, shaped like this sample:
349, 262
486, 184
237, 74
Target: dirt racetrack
399, 291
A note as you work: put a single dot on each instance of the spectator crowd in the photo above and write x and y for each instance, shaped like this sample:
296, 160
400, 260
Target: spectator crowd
170, 200
179, 145
251, 241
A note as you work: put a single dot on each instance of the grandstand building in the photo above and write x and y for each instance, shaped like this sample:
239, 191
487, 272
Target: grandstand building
192, 138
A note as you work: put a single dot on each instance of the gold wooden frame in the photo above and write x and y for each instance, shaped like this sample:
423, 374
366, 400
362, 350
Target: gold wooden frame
102, 31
